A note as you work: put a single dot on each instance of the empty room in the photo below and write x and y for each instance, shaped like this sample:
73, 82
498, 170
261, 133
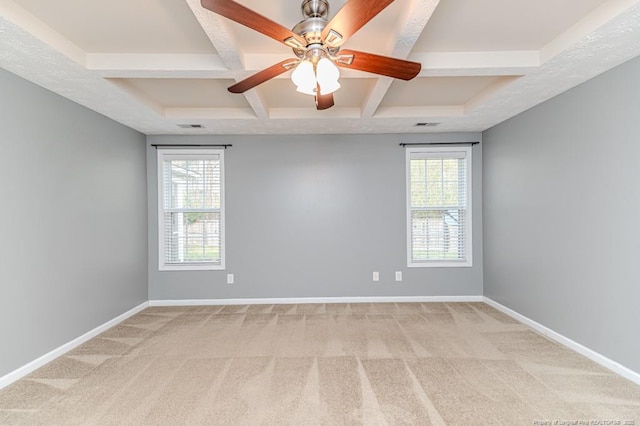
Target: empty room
327, 212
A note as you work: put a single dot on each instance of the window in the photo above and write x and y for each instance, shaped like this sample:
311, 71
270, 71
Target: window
439, 206
191, 209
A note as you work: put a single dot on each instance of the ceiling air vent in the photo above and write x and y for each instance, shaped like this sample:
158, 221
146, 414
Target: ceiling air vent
424, 124
191, 126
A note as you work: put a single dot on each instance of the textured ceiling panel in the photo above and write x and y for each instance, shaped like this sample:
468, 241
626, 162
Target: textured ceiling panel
436, 91
481, 25
123, 26
184, 93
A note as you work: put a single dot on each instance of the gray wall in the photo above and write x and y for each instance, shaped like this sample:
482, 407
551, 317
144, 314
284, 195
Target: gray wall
72, 224
314, 216
561, 203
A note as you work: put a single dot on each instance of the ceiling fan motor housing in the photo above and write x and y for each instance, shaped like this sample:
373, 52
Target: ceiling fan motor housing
311, 30
315, 13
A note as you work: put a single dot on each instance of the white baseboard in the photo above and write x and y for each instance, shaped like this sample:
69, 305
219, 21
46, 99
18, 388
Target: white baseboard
565, 341
305, 300
15, 375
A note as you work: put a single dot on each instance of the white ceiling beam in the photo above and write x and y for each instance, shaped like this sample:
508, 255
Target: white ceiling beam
375, 96
142, 65
416, 17
257, 104
445, 64
158, 65
470, 64
16, 15
214, 27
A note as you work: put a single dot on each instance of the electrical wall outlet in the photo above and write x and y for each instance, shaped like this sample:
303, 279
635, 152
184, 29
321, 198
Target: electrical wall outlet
376, 276
398, 275
229, 278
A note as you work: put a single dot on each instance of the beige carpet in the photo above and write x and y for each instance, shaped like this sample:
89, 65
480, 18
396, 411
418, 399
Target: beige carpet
372, 364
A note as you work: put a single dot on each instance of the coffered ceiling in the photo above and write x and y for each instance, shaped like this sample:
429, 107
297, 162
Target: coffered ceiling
154, 65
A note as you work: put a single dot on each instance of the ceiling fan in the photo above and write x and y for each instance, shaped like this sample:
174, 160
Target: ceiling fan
317, 42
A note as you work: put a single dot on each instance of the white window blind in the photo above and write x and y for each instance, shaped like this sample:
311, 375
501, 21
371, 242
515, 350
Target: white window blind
191, 214
439, 206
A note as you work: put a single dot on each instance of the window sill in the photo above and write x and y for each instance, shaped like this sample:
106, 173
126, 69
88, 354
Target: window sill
440, 264
173, 268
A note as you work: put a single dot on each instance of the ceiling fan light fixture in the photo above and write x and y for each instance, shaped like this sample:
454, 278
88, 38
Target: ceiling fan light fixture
316, 43
325, 75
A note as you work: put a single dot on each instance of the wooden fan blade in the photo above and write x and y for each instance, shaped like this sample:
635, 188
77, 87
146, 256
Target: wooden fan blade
353, 15
262, 76
383, 65
324, 101
247, 17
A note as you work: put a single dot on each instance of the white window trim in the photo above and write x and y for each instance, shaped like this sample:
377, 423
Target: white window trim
162, 266
468, 223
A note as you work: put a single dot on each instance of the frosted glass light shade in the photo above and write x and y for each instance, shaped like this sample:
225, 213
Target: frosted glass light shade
327, 70
304, 77
329, 87
328, 75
